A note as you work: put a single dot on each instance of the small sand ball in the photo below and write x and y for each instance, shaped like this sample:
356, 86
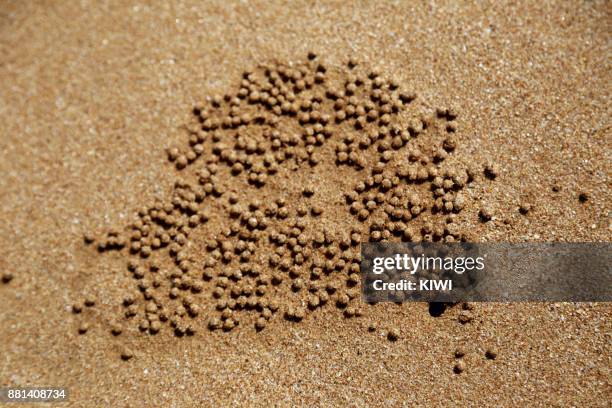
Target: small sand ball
7, 277
83, 327
126, 354
491, 171
173, 153
349, 312
491, 353
90, 301
486, 213
155, 327
450, 144
342, 300
88, 238
77, 308
181, 161
214, 323
525, 208
317, 210
465, 317
143, 325
260, 324
393, 334
459, 352
299, 313
308, 191
115, 329
459, 367
459, 202
229, 324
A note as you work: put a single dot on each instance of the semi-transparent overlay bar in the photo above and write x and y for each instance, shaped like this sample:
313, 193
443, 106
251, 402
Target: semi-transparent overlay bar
502, 272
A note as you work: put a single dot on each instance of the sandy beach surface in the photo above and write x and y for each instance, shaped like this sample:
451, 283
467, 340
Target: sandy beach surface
93, 96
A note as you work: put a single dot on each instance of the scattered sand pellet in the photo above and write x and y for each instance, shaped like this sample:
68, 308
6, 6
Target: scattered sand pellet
491, 171
525, 208
459, 367
491, 354
465, 316
7, 277
393, 334
126, 354
77, 308
486, 213
89, 238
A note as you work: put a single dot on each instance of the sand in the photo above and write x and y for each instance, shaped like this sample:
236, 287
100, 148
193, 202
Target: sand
93, 96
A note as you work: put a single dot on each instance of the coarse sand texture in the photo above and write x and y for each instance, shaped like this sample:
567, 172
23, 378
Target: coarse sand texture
185, 188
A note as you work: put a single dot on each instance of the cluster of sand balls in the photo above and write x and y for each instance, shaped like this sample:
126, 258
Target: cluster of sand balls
459, 354
227, 249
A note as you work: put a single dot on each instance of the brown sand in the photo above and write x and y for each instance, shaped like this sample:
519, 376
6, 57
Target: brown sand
93, 95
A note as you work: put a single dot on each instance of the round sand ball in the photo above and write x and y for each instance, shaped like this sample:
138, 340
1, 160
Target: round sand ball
266, 313
491, 171
299, 313
308, 191
173, 153
214, 323
486, 213
143, 325
450, 144
126, 354
343, 300
229, 324
314, 301
77, 308
459, 367
7, 277
349, 312
260, 324
88, 238
459, 202
317, 210
131, 311
115, 329
459, 352
465, 317
155, 327
491, 353
524, 208
181, 162
393, 334
83, 328
90, 301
